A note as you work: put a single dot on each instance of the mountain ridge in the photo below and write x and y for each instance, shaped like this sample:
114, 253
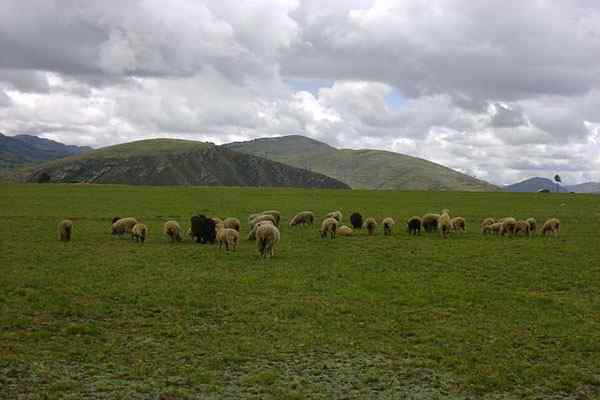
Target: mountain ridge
162, 162
537, 183
27, 149
361, 169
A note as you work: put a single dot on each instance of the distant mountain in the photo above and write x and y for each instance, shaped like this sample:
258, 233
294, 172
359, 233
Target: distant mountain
534, 185
587, 187
26, 149
361, 169
175, 162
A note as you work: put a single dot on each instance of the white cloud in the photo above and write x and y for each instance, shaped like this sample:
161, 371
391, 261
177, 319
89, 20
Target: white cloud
496, 91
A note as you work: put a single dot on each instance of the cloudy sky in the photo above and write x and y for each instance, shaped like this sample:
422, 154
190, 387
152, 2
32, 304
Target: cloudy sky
502, 90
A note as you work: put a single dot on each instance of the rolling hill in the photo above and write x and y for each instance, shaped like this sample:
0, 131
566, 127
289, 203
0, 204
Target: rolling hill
361, 169
534, 185
175, 162
586, 187
26, 149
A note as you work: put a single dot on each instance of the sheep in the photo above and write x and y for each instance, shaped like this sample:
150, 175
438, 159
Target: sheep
388, 225
413, 225
267, 236
276, 214
124, 225
521, 227
344, 231
444, 224
508, 226
203, 229
371, 226
139, 232
532, 225
335, 214
329, 225
252, 216
303, 218
486, 229
551, 226
356, 220
115, 219
458, 224
217, 220
496, 228
262, 217
173, 231
65, 228
486, 222
252, 233
232, 223
228, 237
491, 229
430, 222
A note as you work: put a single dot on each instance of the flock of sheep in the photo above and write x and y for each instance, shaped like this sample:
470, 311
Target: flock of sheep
264, 227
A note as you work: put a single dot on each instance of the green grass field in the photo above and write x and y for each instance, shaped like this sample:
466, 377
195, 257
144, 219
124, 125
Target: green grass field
395, 317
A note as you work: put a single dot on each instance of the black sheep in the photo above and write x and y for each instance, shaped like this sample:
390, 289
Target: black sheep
413, 225
356, 220
203, 229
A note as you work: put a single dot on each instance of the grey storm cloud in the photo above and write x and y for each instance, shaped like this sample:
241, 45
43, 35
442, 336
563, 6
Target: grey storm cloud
463, 83
506, 117
5, 101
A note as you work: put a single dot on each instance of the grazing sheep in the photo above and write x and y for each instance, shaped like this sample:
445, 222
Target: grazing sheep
124, 225
261, 218
491, 229
508, 226
276, 214
217, 220
344, 231
329, 225
303, 218
335, 214
115, 219
458, 224
228, 237
430, 222
267, 236
251, 217
139, 232
551, 226
444, 224
413, 225
65, 228
532, 225
232, 223
173, 231
521, 227
252, 233
388, 226
203, 229
356, 220
486, 229
371, 226
486, 222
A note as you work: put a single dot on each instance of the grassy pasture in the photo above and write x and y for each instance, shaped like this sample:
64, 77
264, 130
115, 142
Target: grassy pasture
363, 317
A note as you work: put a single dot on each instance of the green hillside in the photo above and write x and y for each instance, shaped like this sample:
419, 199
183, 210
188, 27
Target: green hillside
362, 169
174, 162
